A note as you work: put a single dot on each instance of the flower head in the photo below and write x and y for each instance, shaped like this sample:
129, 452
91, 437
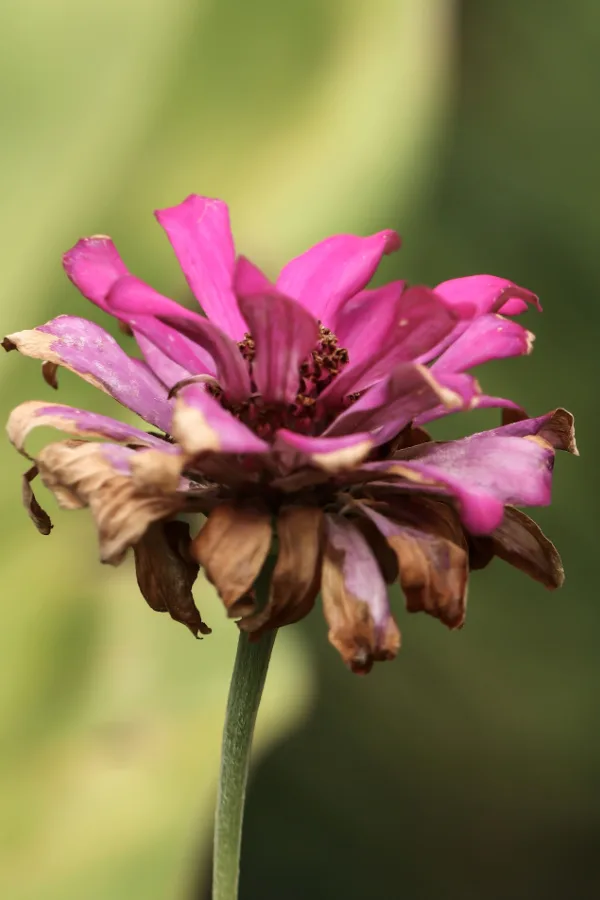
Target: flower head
291, 415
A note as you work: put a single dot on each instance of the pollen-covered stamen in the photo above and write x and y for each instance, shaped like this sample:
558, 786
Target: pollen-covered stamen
325, 362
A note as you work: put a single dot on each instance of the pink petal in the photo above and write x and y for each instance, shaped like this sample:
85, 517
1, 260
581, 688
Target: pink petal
284, 333
200, 234
364, 322
78, 422
486, 472
385, 409
92, 353
136, 302
93, 265
487, 293
423, 322
169, 371
330, 272
467, 387
487, 337
201, 425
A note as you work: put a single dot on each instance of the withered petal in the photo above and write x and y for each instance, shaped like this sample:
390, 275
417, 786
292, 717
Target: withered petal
86, 474
38, 516
431, 550
232, 547
521, 542
296, 576
49, 373
166, 573
355, 602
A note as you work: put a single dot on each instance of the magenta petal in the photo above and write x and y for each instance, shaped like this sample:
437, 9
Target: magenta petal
201, 425
333, 454
284, 333
326, 275
364, 322
467, 388
486, 472
200, 234
487, 293
93, 265
385, 409
423, 321
90, 351
487, 337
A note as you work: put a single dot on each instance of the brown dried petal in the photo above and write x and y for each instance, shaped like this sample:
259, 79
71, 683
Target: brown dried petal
166, 573
49, 370
521, 542
80, 475
232, 547
296, 576
38, 516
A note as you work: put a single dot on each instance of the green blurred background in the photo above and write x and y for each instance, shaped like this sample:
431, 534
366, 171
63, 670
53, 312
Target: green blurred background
470, 767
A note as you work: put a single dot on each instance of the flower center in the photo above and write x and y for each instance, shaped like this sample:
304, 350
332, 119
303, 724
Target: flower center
305, 415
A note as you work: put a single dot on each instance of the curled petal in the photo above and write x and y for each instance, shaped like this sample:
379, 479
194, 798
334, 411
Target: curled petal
296, 576
556, 428
487, 293
385, 409
488, 337
38, 516
332, 271
90, 352
93, 265
201, 425
284, 334
468, 389
355, 600
430, 547
79, 422
232, 547
520, 541
200, 234
166, 573
97, 475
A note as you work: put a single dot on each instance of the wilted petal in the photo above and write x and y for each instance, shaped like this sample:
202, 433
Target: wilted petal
355, 600
296, 576
79, 422
38, 516
385, 409
201, 425
468, 389
232, 547
90, 352
557, 428
520, 541
284, 334
488, 337
326, 275
93, 265
165, 368
423, 321
96, 475
166, 573
200, 234
333, 454
430, 547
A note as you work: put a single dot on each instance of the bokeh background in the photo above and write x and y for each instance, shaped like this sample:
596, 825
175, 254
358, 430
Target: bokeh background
470, 767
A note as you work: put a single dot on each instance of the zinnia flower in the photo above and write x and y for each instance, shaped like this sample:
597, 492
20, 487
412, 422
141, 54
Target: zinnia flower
291, 416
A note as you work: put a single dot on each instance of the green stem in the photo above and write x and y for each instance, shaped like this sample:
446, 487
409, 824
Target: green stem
245, 691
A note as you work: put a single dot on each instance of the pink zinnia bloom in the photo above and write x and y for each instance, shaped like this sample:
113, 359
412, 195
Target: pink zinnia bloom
290, 415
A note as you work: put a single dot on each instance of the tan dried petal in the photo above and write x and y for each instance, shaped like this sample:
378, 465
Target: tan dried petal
296, 576
166, 573
80, 475
38, 516
232, 547
38, 345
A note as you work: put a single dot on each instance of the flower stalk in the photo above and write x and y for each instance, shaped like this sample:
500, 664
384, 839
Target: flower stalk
245, 692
